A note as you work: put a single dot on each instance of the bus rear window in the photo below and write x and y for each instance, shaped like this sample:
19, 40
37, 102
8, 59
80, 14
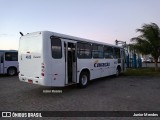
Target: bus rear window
31, 43
56, 48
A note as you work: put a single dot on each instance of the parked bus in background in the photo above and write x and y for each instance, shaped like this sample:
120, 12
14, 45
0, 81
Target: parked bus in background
8, 62
53, 59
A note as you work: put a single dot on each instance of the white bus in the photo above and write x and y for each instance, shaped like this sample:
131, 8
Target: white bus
8, 62
53, 59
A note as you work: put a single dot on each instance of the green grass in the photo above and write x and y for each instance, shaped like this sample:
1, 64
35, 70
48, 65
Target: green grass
141, 72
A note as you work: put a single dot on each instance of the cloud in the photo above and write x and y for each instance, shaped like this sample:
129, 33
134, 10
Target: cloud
5, 35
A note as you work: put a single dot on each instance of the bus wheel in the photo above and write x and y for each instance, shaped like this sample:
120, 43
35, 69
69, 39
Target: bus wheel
118, 71
11, 71
83, 80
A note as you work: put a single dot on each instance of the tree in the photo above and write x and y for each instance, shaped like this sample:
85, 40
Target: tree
148, 42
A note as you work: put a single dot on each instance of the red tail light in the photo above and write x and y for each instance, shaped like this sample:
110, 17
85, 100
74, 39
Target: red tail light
42, 74
42, 69
30, 81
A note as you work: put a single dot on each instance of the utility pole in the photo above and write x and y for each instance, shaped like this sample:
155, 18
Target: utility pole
117, 42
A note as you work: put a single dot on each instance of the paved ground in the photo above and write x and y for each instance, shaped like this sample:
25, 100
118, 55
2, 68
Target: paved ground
106, 94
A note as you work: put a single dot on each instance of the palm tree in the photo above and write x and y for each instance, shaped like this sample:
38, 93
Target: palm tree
148, 42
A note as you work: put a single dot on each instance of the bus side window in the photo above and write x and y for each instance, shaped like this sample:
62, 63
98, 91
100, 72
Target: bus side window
2, 59
11, 56
116, 52
97, 51
56, 48
108, 52
84, 50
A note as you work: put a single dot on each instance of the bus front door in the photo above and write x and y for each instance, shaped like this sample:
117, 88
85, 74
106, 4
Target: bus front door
1, 63
71, 63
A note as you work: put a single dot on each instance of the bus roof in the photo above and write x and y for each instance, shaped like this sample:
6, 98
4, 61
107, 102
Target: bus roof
72, 38
8, 50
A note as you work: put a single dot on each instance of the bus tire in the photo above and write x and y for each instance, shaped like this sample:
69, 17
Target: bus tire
118, 71
11, 71
83, 80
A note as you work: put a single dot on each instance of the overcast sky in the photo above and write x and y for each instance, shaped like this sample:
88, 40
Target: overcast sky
100, 20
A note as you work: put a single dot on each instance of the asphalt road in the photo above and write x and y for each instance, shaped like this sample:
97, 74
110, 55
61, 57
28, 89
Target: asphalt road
122, 93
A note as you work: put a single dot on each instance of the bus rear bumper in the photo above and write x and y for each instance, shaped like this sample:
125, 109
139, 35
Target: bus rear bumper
31, 80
